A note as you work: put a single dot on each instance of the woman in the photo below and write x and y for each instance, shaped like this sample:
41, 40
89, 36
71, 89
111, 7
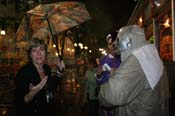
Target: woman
111, 60
108, 64
34, 84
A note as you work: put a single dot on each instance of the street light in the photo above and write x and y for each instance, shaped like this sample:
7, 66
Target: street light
80, 44
75, 44
85, 47
3, 32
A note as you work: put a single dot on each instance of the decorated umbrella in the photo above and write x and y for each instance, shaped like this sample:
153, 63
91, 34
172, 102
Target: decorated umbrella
51, 19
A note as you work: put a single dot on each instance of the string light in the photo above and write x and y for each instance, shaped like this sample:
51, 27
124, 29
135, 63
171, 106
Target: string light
54, 45
166, 23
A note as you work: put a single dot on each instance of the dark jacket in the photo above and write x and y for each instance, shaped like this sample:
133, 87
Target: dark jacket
39, 105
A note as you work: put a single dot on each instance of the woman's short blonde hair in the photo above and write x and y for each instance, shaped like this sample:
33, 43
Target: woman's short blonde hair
35, 42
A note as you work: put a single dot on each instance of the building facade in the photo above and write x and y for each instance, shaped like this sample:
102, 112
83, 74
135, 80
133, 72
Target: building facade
157, 17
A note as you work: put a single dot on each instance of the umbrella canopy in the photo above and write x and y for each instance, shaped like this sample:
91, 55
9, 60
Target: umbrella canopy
51, 19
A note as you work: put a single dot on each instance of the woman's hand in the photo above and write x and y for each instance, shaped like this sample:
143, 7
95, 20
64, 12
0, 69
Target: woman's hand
35, 89
39, 86
99, 71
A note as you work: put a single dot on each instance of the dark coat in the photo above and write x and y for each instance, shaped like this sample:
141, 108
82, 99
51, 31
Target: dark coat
39, 105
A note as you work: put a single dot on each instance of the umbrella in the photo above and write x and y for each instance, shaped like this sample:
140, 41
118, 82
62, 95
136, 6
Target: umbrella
51, 19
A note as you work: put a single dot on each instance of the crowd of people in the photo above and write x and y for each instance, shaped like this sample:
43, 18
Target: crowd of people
129, 81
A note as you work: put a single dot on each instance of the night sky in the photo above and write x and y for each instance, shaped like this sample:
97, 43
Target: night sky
115, 11
108, 15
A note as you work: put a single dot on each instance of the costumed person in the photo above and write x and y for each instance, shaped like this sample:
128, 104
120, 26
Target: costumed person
34, 83
139, 87
107, 64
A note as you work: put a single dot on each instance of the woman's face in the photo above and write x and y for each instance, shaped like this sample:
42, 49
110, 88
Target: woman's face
38, 55
111, 47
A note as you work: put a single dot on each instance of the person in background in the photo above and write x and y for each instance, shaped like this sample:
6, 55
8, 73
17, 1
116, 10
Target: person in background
109, 62
90, 86
139, 87
106, 65
34, 83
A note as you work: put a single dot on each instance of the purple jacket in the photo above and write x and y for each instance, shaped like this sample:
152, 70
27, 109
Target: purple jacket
113, 62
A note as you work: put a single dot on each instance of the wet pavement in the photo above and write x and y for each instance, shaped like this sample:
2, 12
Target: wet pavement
7, 87
70, 103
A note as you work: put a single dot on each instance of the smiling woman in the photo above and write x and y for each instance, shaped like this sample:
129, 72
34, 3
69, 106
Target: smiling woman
36, 46
34, 83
